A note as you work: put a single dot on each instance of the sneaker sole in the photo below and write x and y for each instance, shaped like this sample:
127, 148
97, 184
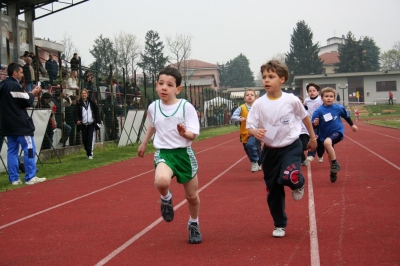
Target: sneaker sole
194, 241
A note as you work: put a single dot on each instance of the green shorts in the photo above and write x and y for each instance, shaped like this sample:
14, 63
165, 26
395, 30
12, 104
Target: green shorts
182, 162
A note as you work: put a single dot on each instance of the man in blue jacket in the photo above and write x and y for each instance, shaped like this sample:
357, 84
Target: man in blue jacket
18, 126
51, 68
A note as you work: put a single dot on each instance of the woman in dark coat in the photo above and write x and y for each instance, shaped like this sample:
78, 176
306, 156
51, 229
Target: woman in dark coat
87, 117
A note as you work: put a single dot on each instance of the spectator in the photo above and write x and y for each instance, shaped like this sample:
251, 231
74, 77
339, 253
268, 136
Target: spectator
29, 74
72, 84
51, 126
61, 102
18, 126
88, 83
36, 63
21, 60
74, 135
52, 69
75, 62
390, 97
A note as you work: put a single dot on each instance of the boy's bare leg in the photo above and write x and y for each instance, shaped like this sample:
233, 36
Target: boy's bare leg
330, 149
192, 196
162, 179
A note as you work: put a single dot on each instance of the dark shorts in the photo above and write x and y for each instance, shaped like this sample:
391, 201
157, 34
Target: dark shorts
336, 138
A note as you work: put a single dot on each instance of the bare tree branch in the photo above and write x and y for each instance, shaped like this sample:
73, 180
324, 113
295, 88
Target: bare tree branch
128, 49
180, 47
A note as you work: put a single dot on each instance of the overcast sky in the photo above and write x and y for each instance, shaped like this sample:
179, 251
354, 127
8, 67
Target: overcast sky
223, 29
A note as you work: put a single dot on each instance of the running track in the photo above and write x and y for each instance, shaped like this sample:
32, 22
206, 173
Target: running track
110, 215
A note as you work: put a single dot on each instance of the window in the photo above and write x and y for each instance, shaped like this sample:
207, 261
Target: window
386, 86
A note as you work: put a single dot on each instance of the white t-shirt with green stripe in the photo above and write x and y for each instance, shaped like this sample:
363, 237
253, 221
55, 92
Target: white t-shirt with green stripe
165, 118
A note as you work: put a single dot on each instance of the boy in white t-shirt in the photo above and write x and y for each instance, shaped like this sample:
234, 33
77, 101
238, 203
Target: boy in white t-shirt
311, 103
175, 125
275, 118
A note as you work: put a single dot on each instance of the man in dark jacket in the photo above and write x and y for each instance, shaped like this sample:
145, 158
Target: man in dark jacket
51, 68
29, 74
18, 126
74, 62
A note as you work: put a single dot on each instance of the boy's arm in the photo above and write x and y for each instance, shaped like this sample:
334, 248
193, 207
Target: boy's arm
312, 144
236, 114
187, 134
142, 148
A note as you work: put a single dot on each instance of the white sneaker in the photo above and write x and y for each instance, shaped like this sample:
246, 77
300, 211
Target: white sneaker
297, 194
320, 159
278, 232
304, 163
259, 168
35, 180
16, 183
90, 157
255, 167
310, 158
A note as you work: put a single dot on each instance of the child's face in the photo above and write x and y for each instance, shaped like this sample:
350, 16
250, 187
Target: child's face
249, 97
328, 98
166, 89
312, 92
271, 81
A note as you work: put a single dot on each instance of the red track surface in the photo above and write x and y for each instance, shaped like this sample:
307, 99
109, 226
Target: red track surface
111, 215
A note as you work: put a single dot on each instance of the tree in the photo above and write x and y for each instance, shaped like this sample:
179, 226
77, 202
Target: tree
180, 47
69, 49
153, 60
237, 73
104, 53
371, 54
302, 58
358, 56
391, 60
127, 49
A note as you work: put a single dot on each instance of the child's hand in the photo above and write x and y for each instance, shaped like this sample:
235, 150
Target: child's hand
241, 119
354, 128
260, 133
312, 145
141, 150
316, 122
181, 129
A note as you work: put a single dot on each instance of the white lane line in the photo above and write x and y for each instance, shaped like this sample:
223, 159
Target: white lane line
379, 133
93, 192
314, 248
377, 155
151, 226
70, 201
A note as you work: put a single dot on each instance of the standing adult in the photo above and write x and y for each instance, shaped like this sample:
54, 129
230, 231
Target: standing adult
18, 126
51, 68
29, 74
390, 97
74, 62
87, 117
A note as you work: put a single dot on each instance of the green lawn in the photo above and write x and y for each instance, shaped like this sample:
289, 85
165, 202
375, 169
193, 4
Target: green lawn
106, 155
386, 120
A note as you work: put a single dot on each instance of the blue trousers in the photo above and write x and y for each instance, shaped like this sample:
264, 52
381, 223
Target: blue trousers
253, 149
28, 146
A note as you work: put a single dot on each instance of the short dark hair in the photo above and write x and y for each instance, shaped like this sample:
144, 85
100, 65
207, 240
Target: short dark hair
13, 67
171, 71
278, 67
318, 88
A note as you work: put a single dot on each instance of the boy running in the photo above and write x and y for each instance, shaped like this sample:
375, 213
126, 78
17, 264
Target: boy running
175, 125
276, 119
251, 145
331, 130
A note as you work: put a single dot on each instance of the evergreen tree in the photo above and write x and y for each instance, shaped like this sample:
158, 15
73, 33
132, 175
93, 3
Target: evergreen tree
371, 54
237, 73
104, 53
153, 60
303, 56
353, 55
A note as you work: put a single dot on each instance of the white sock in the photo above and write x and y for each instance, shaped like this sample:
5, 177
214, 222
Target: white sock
167, 197
191, 220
